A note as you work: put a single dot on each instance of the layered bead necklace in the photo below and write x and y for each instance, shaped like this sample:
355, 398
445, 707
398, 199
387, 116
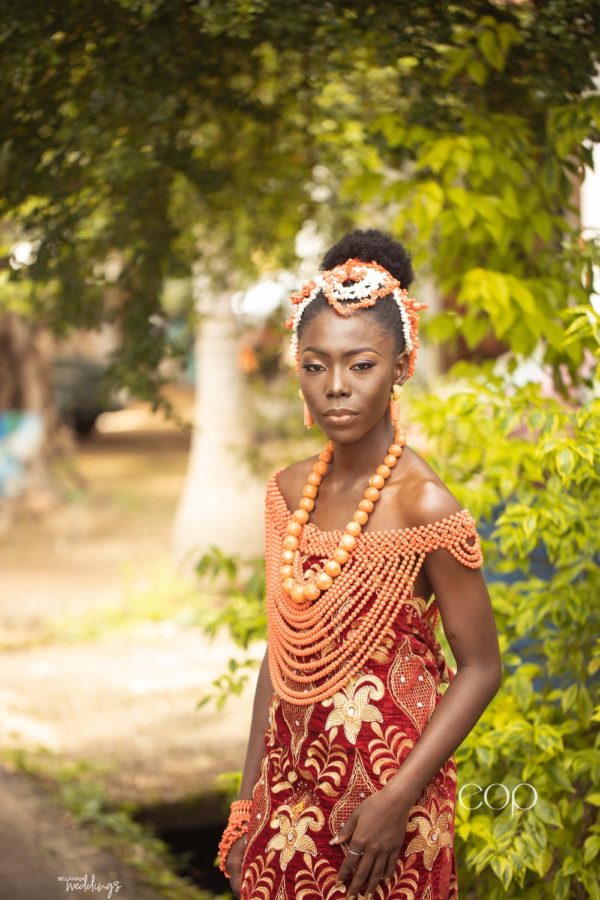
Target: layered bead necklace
319, 581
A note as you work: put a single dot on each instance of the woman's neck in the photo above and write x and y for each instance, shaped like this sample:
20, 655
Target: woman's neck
353, 461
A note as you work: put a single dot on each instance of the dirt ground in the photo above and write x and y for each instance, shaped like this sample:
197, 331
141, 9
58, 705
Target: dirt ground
124, 698
41, 845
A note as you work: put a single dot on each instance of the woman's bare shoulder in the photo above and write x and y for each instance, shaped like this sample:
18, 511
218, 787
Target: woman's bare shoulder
417, 489
292, 479
425, 497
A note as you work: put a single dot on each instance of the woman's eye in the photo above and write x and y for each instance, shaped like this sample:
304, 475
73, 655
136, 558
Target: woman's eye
316, 367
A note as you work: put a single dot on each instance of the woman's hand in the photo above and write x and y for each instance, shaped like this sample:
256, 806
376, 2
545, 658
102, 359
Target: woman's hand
234, 865
376, 829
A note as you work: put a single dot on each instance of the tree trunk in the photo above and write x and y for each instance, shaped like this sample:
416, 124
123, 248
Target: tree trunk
222, 503
26, 394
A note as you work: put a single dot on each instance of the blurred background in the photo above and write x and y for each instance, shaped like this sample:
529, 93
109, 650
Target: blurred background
169, 172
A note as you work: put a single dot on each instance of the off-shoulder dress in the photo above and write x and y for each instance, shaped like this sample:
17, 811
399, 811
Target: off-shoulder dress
329, 742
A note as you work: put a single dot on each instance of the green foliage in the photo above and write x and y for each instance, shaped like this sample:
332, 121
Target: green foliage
153, 136
494, 199
536, 459
484, 190
158, 134
235, 607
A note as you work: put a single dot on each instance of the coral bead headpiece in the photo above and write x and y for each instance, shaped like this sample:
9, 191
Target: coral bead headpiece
354, 285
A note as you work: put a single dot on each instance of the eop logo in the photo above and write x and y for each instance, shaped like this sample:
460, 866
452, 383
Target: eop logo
509, 795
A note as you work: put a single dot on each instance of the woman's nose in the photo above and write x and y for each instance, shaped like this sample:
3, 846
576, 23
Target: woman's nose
336, 386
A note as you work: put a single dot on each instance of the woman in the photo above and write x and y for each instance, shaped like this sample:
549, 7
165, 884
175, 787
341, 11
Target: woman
349, 783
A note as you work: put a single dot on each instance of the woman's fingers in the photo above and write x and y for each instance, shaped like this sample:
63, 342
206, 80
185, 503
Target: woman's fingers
390, 866
234, 882
347, 867
361, 873
366, 862
369, 870
376, 874
234, 865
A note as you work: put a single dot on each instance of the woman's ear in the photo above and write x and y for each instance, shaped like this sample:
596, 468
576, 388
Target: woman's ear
401, 367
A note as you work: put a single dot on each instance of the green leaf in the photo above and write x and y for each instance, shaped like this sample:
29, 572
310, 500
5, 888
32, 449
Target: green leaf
547, 812
507, 35
477, 71
565, 463
490, 50
444, 326
502, 868
591, 848
543, 861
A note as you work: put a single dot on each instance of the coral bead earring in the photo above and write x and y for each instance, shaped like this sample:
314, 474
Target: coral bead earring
308, 419
395, 395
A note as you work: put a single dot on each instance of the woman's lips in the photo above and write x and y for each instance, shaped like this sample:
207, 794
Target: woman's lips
341, 418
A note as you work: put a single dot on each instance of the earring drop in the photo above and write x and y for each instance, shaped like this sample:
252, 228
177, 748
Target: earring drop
308, 419
395, 395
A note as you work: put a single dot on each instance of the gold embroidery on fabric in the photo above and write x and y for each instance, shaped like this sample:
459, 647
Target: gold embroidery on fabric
359, 787
428, 891
453, 888
417, 603
281, 893
411, 685
284, 775
271, 731
434, 831
261, 805
297, 718
293, 823
317, 881
351, 705
404, 884
326, 763
259, 879
388, 750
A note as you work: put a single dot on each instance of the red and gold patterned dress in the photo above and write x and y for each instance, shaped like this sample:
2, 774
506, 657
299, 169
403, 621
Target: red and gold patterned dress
324, 756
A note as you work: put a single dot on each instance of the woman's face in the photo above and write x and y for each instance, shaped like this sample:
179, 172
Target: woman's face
348, 363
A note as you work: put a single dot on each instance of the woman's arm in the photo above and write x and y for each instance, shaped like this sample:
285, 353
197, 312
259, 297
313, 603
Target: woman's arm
379, 823
260, 720
254, 755
468, 622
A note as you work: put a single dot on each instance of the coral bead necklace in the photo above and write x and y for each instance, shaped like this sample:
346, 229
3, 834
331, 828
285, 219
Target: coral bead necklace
320, 581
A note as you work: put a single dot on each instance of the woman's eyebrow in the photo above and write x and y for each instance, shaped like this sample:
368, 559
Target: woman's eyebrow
347, 353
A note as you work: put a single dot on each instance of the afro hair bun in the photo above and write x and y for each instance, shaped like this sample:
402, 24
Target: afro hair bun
372, 245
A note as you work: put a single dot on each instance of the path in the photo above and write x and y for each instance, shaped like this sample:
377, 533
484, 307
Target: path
40, 843
125, 700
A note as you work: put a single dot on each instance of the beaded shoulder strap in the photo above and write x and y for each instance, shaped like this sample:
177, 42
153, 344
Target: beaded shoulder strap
456, 533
